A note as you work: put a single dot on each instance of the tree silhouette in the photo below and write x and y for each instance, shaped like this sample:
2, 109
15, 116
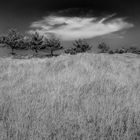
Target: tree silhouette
52, 45
12, 39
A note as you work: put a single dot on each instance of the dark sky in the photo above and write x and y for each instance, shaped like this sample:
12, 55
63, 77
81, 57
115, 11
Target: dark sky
21, 13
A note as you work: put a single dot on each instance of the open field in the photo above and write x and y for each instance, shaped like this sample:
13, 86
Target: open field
79, 97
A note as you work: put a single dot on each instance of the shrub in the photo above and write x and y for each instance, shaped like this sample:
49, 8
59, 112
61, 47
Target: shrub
104, 48
70, 51
133, 50
111, 52
121, 50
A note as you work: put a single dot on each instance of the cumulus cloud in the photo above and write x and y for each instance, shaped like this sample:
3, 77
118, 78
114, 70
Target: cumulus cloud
72, 28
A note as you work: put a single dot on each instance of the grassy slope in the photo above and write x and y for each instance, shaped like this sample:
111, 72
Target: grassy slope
82, 97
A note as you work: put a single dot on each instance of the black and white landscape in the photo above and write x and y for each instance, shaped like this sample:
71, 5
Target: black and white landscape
69, 70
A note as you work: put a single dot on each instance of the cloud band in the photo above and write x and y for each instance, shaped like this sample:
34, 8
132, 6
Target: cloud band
72, 28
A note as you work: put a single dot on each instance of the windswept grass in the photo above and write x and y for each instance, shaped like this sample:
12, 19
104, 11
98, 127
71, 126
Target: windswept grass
80, 97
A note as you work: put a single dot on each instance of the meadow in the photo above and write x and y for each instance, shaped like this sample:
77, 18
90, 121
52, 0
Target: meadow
70, 97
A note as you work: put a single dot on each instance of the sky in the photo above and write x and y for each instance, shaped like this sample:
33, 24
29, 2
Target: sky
117, 22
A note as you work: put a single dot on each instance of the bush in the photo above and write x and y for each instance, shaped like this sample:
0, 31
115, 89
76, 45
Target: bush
121, 50
111, 52
70, 51
104, 48
133, 50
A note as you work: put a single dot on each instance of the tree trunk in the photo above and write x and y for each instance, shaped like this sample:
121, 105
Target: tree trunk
36, 52
51, 52
13, 53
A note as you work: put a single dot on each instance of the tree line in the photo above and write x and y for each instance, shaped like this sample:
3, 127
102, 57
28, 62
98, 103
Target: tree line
35, 42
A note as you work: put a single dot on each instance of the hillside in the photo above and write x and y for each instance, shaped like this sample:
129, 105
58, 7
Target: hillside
79, 97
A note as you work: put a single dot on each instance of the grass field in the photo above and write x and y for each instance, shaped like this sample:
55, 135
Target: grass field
80, 97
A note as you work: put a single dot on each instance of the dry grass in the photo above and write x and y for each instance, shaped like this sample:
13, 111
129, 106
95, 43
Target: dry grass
81, 97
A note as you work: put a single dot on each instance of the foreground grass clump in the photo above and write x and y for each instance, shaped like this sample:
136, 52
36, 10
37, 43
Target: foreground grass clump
81, 97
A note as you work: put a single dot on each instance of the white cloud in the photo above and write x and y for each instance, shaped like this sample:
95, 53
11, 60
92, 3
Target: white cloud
71, 28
